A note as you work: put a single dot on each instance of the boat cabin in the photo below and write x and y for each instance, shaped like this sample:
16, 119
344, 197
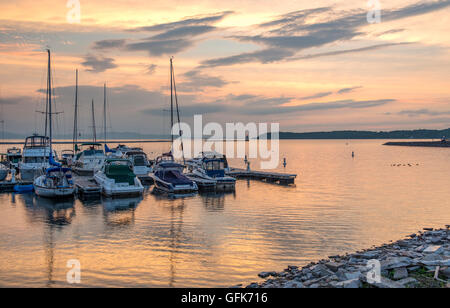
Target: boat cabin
36, 141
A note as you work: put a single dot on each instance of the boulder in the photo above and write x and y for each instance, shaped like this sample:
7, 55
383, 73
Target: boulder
334, 266
395, 262
387, 284
434, 249
408, 282
400, 273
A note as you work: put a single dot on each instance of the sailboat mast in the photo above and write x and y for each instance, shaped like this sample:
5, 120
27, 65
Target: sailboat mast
49, 100
104, 111
171, 99
178, 114
75, 115
94, 132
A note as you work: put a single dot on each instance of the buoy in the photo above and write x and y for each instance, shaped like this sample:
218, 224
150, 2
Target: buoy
284, 162
353, 154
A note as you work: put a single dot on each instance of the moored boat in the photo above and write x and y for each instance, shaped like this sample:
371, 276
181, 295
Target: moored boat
36, 152
13, 156
89, 160
169, 178
56, 182
141, 165
117, 178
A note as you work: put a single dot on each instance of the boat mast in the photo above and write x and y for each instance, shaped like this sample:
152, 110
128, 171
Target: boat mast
104, 111
171, 99
94, 132
49, 90
75, 116
178, 113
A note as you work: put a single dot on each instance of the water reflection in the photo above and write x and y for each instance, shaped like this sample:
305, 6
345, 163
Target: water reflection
120, 212
214, 201
176, 235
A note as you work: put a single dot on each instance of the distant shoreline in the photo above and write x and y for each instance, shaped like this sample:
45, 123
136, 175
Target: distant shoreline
431, 144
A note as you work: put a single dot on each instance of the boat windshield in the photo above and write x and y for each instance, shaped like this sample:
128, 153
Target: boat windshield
36, 142
34, 160
139, 160
214, 165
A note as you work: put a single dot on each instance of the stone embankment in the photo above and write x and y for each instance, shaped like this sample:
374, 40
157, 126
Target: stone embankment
420, 261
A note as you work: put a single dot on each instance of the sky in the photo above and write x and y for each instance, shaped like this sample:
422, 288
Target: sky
308, 65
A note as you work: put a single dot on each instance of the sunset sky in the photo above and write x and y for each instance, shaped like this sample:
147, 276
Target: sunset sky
309, 65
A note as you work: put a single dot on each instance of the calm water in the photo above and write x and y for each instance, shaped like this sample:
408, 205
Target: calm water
338, 205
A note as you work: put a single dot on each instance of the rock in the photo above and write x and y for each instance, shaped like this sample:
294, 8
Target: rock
252, 285
334, 266
368, 255
267, 274
352, 275
293, 284
387, 284
395, 262
400, 273
408, 282
413, 235
434, 249
349, 284
435, 240
436, 263
321, 270
428, 229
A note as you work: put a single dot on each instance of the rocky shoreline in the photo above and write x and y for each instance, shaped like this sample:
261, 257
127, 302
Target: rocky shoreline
420, 261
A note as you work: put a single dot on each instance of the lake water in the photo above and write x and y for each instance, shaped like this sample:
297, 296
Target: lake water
339, 204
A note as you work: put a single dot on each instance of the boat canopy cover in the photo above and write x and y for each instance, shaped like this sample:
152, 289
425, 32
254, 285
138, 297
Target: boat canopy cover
108, 150
120, 170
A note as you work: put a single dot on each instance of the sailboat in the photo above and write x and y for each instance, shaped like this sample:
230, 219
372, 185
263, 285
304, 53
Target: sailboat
168, 174
56, 182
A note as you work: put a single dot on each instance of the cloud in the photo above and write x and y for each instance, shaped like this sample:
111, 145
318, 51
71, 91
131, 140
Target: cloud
348, 90
197, 81
98, 64
183, 32
175, 37
160, 48
151, 69
420, 112
190, 110
291, 33
109, 44
317, 95
192, 21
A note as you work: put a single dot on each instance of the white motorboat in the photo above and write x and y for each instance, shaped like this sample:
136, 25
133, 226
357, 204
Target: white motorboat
89, 160
36, 152
211, 166
141, 165
117, 178
14, 156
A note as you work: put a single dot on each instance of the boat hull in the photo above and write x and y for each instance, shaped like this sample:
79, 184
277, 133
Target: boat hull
29, 174
3, 174
174, 189
111, 189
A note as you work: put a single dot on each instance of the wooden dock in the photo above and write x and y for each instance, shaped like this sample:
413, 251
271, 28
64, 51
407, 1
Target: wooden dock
269, 177
87, 187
